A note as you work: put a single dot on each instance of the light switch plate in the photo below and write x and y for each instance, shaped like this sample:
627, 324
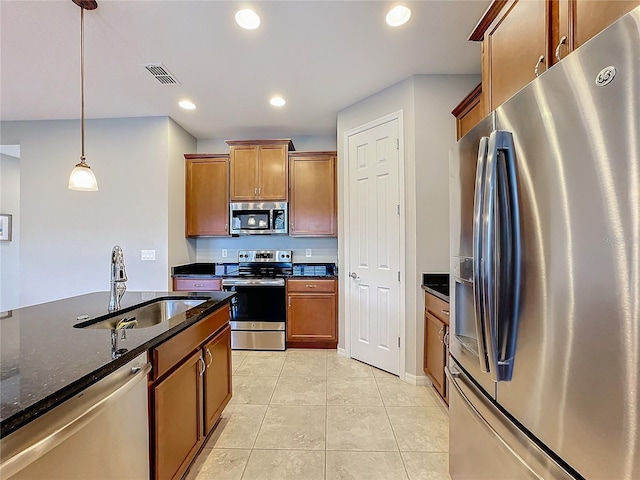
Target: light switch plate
308, 252
147, 254
224, 252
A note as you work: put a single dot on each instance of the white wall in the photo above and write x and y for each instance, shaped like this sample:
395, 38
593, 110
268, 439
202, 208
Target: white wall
10, 251
429, 132
67, 236
181, 250
323, 250
435, 97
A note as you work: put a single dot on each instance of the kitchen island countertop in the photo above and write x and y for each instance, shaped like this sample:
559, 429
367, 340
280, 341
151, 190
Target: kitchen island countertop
45, 360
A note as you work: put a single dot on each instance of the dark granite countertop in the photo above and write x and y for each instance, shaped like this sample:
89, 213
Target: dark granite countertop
45, 360
436, 293
221, 270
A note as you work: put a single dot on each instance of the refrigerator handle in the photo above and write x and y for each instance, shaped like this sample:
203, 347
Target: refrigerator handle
504, 256
478, 290
488, 279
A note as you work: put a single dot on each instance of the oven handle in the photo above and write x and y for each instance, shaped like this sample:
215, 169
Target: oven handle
262, 282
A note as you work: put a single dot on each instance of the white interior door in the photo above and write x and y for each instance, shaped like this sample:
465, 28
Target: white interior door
374, 246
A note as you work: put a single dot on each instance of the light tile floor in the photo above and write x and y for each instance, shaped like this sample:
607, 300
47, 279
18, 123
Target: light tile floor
311, 414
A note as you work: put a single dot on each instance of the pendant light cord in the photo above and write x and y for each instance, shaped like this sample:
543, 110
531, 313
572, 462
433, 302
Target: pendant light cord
82, 157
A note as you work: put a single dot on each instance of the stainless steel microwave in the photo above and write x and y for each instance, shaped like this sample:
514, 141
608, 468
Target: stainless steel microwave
261, 218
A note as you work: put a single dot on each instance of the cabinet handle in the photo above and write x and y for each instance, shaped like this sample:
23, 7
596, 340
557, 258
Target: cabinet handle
198, 285
540, 60
311, 286
255, 192
289, 300
446, 312
226, 227
439, 332
563, 41
446, 339
204, 366
210, 357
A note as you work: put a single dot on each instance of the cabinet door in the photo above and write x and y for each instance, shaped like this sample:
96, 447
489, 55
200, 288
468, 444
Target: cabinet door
273, 172
312, 209
244, 172
217, 377
513, 46
435, 352
590, 17
178, 419
311, 318
207, 197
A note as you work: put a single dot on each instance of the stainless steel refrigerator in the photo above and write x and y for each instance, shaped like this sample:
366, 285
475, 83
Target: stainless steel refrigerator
545, 244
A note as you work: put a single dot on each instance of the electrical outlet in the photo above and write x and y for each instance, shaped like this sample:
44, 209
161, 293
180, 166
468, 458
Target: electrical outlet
224, 252
147, 254
308, 252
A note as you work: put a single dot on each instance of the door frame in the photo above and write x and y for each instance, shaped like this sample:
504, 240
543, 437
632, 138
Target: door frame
346, 284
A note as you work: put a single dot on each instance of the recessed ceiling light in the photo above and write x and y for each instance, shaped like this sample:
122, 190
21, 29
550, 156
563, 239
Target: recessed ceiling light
277, 101
247, 19
398, 15
187, 104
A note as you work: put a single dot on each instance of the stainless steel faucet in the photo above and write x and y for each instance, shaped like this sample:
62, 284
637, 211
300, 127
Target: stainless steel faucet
118, 278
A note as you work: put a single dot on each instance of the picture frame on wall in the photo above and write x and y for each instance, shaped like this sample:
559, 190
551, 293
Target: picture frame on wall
5, 227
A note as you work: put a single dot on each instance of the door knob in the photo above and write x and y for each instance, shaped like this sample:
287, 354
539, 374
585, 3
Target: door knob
353, 275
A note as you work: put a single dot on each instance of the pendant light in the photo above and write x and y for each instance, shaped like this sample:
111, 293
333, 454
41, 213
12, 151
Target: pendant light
82, 177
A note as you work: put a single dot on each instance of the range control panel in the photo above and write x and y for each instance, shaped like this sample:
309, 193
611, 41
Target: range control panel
264, 256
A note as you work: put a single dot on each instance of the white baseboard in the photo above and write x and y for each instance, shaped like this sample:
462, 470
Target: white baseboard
419, 380
342, 352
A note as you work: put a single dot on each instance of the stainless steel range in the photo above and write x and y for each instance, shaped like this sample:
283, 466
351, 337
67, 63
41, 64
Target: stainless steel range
258, 311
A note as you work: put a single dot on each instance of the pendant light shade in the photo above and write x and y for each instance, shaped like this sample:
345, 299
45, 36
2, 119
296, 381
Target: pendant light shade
82, 177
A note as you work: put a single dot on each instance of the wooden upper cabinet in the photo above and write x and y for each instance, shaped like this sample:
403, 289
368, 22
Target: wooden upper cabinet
515, 45
273, 172
207, 195
469, 112
515, 34
590, 17
259, 169
313, 205
244, 172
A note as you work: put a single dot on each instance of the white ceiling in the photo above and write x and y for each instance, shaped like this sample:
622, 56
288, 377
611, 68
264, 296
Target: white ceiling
322, 56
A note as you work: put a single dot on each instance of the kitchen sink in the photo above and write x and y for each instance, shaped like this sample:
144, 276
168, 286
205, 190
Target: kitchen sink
145, 316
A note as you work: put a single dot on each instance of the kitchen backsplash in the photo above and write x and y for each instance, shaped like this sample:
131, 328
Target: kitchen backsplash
323, 250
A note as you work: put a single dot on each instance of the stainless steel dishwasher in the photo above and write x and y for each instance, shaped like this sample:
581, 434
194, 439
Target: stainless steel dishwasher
101, 433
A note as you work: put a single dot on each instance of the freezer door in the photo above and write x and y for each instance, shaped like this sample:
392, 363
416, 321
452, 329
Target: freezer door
576, 377
485, 445
467, 343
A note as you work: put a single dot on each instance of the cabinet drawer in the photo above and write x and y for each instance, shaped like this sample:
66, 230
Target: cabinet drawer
437, 307
197, 284
170, 353
311, 286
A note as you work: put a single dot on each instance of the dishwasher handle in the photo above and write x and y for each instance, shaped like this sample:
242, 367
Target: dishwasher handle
85, 414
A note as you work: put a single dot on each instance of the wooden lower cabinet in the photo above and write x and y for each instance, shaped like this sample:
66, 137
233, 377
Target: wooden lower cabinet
178, 419
217, 377
188, 392
436, 347
312, 311
435, 351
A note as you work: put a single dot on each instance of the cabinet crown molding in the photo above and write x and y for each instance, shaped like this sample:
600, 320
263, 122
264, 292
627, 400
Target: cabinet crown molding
277, 141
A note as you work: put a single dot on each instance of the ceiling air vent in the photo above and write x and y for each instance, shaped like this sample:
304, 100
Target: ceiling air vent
161, 74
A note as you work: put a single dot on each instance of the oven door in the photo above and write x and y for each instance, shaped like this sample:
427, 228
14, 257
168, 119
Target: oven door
258, 313
251, 221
